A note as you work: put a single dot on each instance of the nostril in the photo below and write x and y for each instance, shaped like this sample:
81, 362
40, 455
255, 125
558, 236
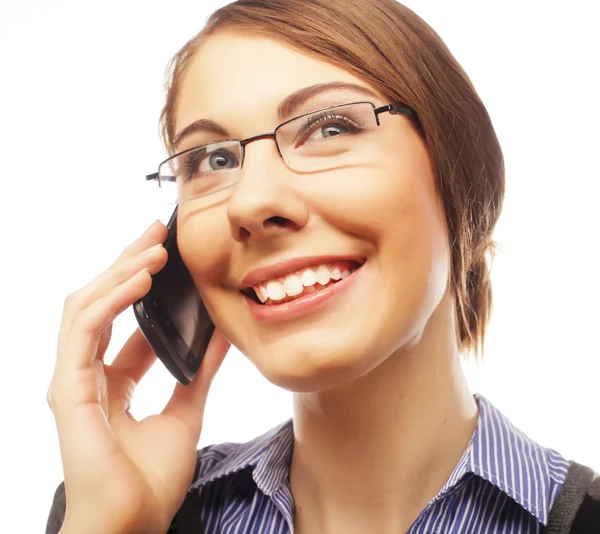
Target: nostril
280, 222
258, 229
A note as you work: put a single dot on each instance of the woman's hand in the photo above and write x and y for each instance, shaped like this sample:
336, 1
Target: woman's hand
122, 475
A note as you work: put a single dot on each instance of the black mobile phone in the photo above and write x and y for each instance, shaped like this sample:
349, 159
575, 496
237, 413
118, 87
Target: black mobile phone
172, 315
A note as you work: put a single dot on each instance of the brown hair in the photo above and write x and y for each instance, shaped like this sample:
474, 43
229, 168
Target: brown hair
393, 49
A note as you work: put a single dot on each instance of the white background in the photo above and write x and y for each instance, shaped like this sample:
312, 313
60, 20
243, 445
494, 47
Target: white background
81, 89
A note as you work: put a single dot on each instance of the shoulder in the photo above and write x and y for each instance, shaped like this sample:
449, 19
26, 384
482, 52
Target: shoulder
577, 507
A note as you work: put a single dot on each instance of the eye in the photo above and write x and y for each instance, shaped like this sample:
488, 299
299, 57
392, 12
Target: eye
217, 161
202, 163
326, 126
331, 130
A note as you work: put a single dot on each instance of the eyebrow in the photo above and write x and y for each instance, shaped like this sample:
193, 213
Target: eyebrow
287, 106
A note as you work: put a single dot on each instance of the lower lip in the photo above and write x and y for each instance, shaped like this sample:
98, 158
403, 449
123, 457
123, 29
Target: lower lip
302, 306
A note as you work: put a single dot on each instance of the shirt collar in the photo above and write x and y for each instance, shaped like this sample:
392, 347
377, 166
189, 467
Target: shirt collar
498, 453
270, 454
521, 468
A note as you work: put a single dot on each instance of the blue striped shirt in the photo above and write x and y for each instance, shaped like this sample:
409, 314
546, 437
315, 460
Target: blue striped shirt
504, 483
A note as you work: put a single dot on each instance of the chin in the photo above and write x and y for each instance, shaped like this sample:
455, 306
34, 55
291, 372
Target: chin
308, 364
332, 348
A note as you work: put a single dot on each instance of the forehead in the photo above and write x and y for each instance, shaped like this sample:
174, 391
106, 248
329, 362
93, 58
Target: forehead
238, 78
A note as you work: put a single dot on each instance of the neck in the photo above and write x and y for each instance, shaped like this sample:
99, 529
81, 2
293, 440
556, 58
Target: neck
369, 456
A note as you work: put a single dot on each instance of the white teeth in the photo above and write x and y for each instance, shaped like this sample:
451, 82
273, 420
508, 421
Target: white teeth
275, 291
293, 285
302, 282
262, 293
309, 278
323, 275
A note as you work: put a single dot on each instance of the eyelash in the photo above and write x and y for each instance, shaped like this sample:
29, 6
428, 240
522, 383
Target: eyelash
190, 164
315, 122
330, 116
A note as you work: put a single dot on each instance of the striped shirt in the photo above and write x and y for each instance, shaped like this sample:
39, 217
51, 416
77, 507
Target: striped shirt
504, 483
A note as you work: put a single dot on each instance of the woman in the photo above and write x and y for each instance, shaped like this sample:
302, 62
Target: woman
347, 258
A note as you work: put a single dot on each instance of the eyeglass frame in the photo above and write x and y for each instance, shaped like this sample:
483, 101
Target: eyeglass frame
393, 109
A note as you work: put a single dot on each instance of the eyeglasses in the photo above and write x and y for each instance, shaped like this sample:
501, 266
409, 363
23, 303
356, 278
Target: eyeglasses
334, 137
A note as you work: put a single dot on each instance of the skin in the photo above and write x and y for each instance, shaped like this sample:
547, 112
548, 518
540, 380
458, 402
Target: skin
375, 373
122, 475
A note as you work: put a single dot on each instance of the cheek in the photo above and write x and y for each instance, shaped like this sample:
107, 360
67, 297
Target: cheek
394, 206
393, 202
417, 234
204, 243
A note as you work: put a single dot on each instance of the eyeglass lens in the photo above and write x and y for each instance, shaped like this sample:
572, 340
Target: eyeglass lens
327, 139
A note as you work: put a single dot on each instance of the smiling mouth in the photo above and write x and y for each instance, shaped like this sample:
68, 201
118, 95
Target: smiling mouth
300, 283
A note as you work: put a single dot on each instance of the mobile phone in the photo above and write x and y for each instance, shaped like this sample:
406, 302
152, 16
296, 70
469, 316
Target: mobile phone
173, 317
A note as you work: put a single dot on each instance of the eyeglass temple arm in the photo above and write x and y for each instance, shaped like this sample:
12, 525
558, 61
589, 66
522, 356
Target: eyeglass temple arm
396, 110
154, 176
402, 110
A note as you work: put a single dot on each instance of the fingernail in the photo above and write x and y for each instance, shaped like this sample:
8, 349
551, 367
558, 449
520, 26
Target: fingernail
152, 249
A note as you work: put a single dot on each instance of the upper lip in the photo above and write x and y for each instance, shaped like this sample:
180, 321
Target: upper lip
283, 268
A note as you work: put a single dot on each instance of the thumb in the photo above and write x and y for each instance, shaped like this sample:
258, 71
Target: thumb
188, 402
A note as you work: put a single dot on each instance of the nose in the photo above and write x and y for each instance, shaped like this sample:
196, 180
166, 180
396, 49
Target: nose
265, 203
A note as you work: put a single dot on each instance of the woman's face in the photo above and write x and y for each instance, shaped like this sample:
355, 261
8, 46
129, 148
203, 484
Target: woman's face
379, 220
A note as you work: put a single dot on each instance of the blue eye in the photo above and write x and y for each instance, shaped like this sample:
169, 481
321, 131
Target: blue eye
324, 126
222, 160
331, 130
202, 163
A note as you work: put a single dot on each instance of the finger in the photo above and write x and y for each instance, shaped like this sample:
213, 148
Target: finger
81, 345
187, 402
103, 343
135, 358
152, 259
141, 249
155, 233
